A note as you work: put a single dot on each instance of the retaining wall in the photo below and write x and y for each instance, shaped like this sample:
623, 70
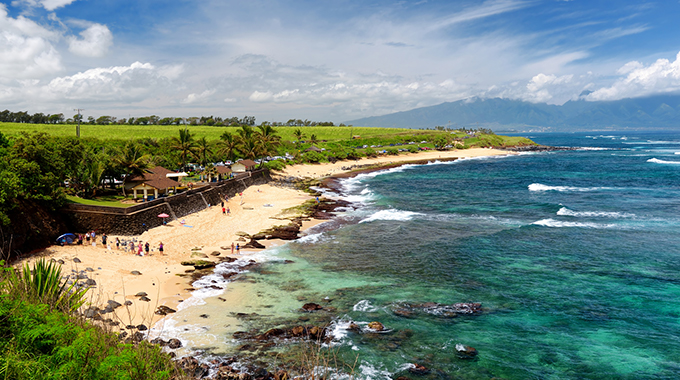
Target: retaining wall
136, 219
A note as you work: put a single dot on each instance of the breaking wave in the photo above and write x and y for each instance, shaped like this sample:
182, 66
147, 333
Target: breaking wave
542, 187
558, 223
593, 214
657, 161
391, 214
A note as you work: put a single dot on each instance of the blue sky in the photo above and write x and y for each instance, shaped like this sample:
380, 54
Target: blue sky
327, 61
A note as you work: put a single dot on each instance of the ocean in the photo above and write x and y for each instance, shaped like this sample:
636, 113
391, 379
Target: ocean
573, 255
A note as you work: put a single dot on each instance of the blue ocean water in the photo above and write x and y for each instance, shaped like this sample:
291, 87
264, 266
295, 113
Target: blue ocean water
574, 256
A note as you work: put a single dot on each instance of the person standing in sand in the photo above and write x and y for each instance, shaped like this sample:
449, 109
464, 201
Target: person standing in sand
224, 210
117, 243
160, 248
238, 248
232, 247
146, 247
139, 249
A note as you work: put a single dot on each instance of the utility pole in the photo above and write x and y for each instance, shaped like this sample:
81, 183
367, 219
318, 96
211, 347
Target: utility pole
78, 127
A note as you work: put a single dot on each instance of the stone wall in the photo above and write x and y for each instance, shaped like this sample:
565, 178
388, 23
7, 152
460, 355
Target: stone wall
136, 219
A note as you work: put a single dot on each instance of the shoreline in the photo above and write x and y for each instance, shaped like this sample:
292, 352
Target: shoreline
207, 235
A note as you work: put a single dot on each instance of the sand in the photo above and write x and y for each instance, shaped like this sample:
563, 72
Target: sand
210, 231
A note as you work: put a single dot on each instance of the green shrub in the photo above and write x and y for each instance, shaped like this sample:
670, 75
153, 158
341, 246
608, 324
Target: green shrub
392, 151
313, 157
370, 152
275, 165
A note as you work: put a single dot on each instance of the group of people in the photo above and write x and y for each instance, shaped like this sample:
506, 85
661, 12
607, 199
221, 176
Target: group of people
139, 249
90, 238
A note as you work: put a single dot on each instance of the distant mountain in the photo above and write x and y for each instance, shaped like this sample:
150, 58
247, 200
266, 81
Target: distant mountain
658, 112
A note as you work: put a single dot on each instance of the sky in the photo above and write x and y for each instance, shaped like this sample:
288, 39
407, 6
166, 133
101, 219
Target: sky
328, 60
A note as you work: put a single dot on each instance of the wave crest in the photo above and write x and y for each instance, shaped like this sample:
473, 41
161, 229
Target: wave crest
391, 214
657, 161
542, 187
594, 214
558, 223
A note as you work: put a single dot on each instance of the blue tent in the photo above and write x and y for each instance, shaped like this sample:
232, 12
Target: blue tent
66, 238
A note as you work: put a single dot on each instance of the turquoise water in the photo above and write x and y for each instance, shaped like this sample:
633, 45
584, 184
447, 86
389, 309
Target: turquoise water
574, 256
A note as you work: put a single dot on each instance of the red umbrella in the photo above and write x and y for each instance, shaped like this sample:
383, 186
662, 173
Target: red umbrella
163, 215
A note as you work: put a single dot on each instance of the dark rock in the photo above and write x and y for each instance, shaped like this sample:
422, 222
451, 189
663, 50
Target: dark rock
107, 309
288, 261
174, 343
253, 244
164, 310
90, 282
311, 307
289, 232
91, 311
270, 334
418, 369
377, 326
354, 327
204, 315
465, 352
142, 328
89, 269
141, 294
215, 253
136, 273
77, 260
131, 327
81, 277
137, 337
114, 304
159, 342
145, 299
127, 303
60, 261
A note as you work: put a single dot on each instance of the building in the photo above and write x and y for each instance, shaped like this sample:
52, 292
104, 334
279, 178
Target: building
154, 180
244, 166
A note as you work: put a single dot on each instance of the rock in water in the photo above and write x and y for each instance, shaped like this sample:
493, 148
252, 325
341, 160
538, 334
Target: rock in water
377, 326
465, 352
311, 307
174, 343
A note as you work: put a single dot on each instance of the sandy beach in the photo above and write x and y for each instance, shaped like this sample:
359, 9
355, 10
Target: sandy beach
120, 274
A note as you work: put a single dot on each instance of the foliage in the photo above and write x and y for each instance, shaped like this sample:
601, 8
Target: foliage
275, 165
39, 343
43, 283
313, 157
185, 145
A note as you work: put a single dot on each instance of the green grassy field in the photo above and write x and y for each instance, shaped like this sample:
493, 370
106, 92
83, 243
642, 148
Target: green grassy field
126, 132
111, 201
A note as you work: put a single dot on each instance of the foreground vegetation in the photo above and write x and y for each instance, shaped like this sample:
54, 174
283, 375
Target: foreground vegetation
42, 336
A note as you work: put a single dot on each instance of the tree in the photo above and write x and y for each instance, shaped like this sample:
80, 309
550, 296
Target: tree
228, 146
299, 135
268, 140
203, 150
131, 161
185, 144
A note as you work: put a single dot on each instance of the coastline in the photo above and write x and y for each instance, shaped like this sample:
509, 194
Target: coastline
205, 234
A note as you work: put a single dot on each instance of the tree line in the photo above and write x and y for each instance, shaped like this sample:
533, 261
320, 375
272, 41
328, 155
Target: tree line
8, 116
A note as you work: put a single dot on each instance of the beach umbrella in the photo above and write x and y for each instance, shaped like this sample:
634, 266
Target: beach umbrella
67, 238
163, 215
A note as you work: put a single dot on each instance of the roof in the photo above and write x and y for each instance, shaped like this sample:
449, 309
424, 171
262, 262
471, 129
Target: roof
313, 148
155, 177
247, 163
223, 170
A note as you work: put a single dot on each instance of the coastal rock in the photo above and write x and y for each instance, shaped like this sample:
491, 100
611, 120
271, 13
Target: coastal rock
89, 269
174, 343
215, 253
90, 282
200, 255
377, 326
253, 244
288, 232
418, 369
465, 352
141, 294
142, 328
354, 327
311, 307
199, 264
127, 303
136, 273
76, 260
145, 299
159, 342
164, 310
114, 304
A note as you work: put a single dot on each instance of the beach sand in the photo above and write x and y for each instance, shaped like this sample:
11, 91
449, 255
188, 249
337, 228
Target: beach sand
209, 231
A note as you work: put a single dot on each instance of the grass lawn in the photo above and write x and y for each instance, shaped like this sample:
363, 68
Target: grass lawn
109, 200
126, 132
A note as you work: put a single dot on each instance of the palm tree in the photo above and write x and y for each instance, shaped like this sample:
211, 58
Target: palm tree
268, 140
228, 146
131, 161
299, 135
313, 139
203, 150
185, 144
250, 148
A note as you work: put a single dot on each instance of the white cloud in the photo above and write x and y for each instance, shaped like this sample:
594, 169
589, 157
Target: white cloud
662, 76
26, 49
193, 98
49, 5
94, 42
118, 83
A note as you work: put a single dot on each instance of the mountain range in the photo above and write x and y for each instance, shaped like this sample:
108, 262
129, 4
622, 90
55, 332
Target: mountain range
656, 112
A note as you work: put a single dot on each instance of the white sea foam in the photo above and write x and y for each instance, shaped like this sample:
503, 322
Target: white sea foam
558, 223
594, 148
542, 187
364, 306
310, 239
391, 214
653, 142
657, 161
593, 214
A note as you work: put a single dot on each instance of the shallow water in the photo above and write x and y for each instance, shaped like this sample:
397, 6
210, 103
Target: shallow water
574, 255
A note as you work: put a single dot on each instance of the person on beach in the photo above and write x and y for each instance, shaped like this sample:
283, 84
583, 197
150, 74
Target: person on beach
232, 247
238, 248
117, 243
104, 237
228, 211
222, 204
146, 247
80, 239
139, 249
160, 248
87, 237
224, 210
132, 247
